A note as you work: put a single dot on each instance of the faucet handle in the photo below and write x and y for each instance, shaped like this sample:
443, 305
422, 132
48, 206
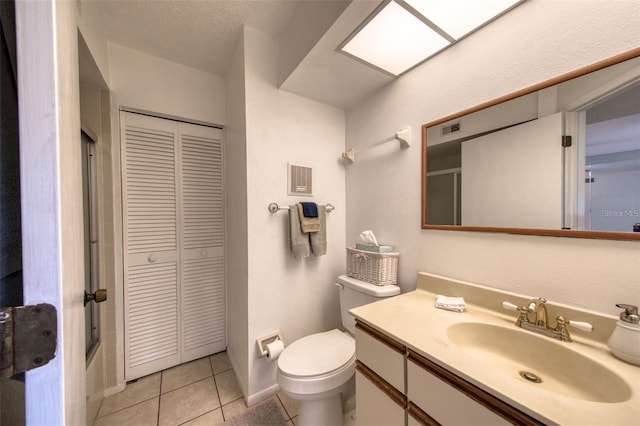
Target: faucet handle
510, 306
561, 327
585, 326
522, 318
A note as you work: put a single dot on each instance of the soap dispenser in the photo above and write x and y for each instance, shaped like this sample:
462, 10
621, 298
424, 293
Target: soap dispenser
625, 339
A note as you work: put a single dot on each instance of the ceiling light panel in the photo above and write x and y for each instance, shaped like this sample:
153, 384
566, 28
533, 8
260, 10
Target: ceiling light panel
460, 17
403, 33
395, 40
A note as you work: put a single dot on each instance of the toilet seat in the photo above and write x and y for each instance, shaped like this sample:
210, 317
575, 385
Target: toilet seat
317, 354
317, 363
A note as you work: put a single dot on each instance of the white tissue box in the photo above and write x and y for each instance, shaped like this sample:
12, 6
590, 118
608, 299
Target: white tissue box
373, 248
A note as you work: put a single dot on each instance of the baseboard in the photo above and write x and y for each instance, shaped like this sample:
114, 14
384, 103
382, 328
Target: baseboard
114, 389
262, 395
256, 397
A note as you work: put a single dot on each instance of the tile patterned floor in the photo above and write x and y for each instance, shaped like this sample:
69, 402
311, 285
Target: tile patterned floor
200, 392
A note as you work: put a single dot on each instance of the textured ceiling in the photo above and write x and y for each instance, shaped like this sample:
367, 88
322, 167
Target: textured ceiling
198, 33
203, 34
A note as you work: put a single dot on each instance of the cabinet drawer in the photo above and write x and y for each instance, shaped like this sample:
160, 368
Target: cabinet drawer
450, 400
417, 417
444, 403
381, 354
374, 407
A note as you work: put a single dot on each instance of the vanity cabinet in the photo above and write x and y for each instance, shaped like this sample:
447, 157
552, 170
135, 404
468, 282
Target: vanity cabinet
441, 400
445, 398
398, 386
380, 378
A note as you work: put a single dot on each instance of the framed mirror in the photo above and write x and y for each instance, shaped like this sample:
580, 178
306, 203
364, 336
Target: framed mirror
560, 158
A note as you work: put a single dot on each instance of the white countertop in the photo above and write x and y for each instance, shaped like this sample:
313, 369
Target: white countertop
413, 320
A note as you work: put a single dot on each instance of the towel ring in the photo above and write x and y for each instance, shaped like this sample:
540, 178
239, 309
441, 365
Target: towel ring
274, 207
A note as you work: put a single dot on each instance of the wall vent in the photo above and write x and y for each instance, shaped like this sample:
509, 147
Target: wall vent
300, 182
451, 128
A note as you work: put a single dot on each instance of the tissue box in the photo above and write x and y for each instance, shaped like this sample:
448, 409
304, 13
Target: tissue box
375, 249
374, 268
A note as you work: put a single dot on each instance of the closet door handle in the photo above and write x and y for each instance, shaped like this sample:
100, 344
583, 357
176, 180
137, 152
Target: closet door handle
153, 258
100, 295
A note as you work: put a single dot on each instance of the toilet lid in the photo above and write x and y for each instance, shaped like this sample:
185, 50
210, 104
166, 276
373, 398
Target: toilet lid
317, 354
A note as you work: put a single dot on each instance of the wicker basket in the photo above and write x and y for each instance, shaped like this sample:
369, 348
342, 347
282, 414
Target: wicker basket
375, 268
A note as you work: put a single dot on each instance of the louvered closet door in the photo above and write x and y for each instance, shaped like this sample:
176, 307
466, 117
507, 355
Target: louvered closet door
202, 239
151, 260
174, 243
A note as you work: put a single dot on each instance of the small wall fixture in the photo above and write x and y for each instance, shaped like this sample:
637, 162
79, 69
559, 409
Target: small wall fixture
403, 136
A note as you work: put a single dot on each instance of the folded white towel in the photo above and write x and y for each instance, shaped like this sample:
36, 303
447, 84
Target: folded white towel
456, 304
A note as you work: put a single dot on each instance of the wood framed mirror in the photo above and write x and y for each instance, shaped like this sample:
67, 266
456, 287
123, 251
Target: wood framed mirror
559, 158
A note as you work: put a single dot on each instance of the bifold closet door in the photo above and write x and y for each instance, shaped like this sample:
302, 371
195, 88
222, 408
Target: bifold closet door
173, 241
202, 250
151, 260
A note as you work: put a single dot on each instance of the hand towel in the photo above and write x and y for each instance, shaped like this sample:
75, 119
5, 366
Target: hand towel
299, 241
307, 224
319, 239
309, 209
456, 304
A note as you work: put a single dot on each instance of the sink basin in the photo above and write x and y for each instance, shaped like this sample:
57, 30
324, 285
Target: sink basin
540, 361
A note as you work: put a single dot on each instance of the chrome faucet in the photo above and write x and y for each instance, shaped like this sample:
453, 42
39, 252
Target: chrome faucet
539, 323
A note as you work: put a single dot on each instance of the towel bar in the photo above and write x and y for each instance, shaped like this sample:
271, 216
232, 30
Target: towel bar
274, 207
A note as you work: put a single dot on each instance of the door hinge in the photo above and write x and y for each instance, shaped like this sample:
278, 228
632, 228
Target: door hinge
566, 141
28, 337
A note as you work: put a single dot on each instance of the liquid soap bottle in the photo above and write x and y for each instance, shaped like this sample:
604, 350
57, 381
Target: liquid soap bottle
625, 339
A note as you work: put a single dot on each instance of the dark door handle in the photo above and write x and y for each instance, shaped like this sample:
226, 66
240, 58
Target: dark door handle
99, 296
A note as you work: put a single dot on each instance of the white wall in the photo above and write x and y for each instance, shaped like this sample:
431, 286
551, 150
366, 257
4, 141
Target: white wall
536, 41
90, 27
152, 84
297, 297
235, 168
146, 82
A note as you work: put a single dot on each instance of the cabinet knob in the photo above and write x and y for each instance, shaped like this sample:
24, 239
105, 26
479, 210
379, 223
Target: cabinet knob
153, 258
204, 253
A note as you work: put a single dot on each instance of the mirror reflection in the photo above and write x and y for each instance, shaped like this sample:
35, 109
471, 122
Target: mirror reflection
562, 156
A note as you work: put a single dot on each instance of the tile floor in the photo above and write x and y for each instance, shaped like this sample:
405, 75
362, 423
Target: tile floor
200, 392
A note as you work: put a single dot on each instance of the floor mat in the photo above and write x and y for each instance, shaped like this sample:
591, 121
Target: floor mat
267, 413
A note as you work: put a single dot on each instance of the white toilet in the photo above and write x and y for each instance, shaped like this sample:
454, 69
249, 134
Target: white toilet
316, 369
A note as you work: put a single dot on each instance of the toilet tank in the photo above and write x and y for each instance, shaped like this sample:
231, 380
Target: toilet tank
354, 292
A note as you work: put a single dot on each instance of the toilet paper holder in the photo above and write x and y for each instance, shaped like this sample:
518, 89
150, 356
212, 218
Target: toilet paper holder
265, 340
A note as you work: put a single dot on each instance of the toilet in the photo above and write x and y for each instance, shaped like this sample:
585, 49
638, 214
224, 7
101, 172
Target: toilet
315, 370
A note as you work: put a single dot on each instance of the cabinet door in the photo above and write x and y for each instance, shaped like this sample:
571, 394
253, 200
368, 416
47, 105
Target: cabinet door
202, 239
381, 354
151, 259
374, 407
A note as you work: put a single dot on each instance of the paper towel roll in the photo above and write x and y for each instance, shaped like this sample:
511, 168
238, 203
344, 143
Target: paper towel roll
274, 349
